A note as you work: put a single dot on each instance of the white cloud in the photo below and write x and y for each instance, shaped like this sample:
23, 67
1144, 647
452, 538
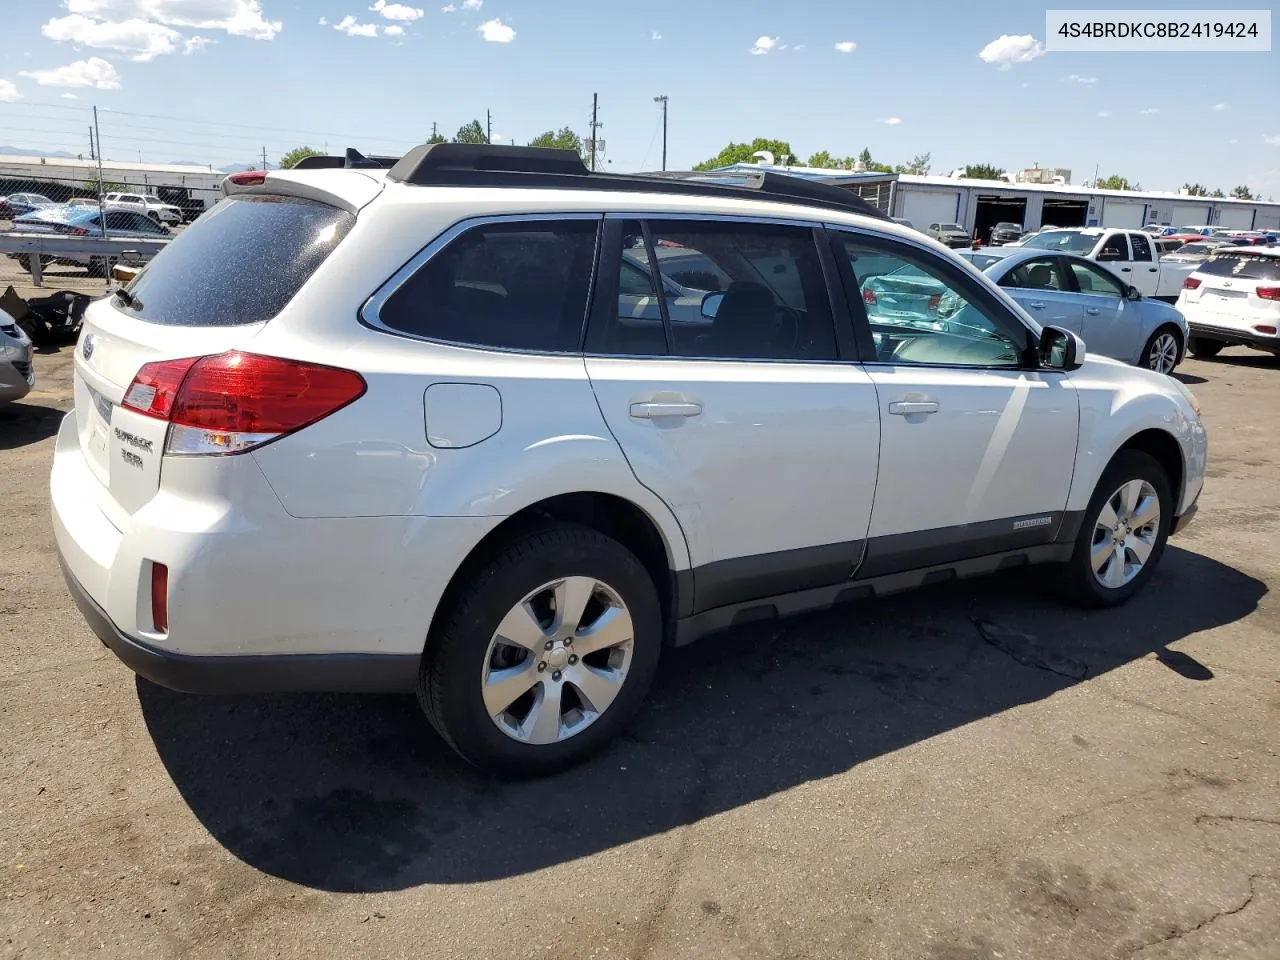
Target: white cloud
141, 39
764, 45
196, 44
69, 96
241, 18
1219, 107
495, 31
8, 92
94, 72
397, 11
1104, 113
1079, 79
448, 8
349, 26
1007, 50
393, 31
472, 4
655, 35
324, 21
1149, 111
892, 121
1273, 141
846, 46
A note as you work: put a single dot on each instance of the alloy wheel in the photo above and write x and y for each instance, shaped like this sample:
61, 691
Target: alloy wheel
1125, 534
1164, 353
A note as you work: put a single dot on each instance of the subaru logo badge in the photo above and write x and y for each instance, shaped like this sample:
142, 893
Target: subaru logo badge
87, 350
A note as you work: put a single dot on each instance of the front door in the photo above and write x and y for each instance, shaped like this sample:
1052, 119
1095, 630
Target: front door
1145, 272
1111, 325
751, 425
1042, 288
976, 450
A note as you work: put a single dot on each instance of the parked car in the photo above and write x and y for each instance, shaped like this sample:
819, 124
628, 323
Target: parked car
157, 210
17, 374
70, 221
1167, 245
951, 234
1127, 253
17, 204
1194, 252
373, 430
1233, 299
1070, 291
1202, 229
903, 221
1005, 232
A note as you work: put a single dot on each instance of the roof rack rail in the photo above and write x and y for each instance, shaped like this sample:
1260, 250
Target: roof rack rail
487, 165
353, 159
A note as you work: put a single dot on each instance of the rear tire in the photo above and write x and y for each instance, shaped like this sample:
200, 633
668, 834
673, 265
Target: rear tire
513, 596
1123, 536
1163, 350
1204, 347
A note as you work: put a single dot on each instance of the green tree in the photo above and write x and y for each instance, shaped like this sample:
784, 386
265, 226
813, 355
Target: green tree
865, 157
296, 154
564, 139
1244, 193
1196, 189
1218, 195
822, 159
741, 153
982, 171
437, 138
919, 166
472, 132
1115, 182
91, 186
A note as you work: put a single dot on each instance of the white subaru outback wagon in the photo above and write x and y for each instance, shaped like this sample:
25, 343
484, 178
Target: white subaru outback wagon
479, 424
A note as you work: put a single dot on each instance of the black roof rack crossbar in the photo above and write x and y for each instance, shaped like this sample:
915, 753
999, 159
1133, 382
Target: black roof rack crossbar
489, 165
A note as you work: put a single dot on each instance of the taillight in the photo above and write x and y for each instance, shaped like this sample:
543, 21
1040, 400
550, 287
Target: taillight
1268, 293
869, 297
1190, 283
934, 300
1265, 328
236, 401
249, 178
159, 597
79, 232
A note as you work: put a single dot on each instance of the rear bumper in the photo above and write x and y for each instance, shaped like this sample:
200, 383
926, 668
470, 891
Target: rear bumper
1234, 336
336, 672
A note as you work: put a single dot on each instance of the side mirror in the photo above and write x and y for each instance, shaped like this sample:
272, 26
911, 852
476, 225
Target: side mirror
1133, 293
1060, 349
711, 305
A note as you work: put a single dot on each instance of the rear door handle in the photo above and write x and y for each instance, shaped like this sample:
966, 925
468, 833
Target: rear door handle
1037, 305
1092, 311
903, 408
1124, 269
1151, 269
657, 409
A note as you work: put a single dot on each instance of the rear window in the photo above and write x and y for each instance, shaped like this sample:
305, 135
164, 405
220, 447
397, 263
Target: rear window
1241, 266
240, 263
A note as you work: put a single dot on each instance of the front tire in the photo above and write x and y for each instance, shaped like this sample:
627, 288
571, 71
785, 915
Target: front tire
1163, 351
1123, 536
545, 654
1204, 347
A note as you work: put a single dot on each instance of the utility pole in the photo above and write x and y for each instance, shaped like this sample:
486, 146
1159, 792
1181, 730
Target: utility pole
102, 218
662, 99
595, 126
488, 126
433, 131
264, 156
93, 152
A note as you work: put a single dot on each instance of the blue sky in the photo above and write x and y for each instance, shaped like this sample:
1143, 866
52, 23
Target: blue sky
216, 80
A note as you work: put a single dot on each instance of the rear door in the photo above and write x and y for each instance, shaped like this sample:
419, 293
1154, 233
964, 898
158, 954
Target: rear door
1145, 265
213, 287
754, 426
1042, 288
1111, 326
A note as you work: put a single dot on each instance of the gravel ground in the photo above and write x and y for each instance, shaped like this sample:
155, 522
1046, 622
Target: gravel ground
970, 772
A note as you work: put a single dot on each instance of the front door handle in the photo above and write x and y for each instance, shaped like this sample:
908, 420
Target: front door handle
904, 408
1151, 269
1092, 311
657, 409
1124, 269
1037, 305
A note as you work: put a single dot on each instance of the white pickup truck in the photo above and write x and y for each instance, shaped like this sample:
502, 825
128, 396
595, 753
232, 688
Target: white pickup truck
157, 210
1129, 254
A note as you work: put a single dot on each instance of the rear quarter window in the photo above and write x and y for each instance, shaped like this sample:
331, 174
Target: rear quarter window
1242, 267
240, 263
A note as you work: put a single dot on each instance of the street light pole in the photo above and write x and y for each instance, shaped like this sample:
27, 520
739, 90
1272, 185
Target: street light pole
662, 99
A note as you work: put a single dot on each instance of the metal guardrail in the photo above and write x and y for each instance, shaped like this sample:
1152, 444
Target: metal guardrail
109, 249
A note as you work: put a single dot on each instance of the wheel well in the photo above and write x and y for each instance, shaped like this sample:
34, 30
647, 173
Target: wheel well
611, 515
1164, 449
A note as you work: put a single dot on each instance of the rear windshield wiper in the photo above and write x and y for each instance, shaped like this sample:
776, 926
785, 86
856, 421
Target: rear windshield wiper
128, 299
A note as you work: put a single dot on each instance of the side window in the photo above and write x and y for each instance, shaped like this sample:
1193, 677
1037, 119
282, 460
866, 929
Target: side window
1091, 279
117, 220
1141, 245
1043, 273
743, 291
1114, 248
514, 285
919, 312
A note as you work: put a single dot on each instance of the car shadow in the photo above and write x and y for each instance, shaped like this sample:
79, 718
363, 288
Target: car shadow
22, 424
356, 794
1190, 379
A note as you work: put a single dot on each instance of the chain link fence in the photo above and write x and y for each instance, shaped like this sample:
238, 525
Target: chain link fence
20, 195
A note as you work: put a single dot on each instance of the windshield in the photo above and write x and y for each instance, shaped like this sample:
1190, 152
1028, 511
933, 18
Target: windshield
981, 260
1009, 226
955, 227
1068, 241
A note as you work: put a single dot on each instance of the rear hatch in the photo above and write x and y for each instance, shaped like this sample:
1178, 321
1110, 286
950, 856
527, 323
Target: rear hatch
209, 290
1237, 288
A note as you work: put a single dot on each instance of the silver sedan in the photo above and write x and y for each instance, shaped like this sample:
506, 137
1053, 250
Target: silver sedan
1065, 290
16, 374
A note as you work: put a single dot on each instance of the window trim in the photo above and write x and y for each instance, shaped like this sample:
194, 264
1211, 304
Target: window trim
607, 266
370, 312
974, 290
1088, 264
1133, 237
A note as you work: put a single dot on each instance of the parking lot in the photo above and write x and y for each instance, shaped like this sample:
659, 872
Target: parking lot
975, 771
